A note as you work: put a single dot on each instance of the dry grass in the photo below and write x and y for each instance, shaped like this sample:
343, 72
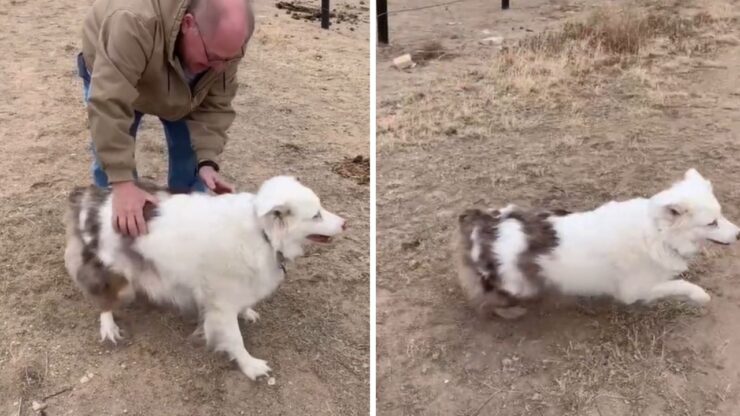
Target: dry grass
356, 168
618, 56
616, 31
625, 356
430, 51
611, 45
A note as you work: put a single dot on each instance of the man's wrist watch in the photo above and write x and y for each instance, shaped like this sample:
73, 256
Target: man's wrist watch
210, 163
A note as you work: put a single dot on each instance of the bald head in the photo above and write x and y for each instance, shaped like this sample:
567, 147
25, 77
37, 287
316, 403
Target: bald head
213, 32
224, 20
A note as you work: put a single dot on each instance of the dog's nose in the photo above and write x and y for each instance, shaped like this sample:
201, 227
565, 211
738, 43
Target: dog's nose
344, 225
738, 236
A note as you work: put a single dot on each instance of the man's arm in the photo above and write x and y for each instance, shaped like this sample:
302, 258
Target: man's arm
208, 125
123, 49
210, 120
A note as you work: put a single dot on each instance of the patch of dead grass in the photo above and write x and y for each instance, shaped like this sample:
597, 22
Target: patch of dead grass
608, 45
357, 168
606, 59
623, 358
430, 51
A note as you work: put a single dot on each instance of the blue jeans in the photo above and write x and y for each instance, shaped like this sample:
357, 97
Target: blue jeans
183, 164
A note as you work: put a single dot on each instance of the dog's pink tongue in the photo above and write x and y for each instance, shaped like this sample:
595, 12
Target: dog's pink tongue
319, 238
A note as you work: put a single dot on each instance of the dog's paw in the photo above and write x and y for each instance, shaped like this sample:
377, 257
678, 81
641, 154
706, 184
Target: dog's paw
250, 315
700, 296
198, 336
255, 368
109, 330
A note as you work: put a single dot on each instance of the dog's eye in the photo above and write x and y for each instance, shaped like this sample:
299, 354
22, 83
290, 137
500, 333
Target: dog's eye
317, 216
713, 223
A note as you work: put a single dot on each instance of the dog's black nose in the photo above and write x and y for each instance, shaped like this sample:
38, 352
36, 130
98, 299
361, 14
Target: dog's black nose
344, 227
738, 236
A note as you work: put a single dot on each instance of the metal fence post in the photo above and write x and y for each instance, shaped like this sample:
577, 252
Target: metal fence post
383, 21
325, 14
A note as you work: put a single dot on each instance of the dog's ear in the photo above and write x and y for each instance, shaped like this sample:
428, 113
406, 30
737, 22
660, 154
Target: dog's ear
675, 210
275, 208
692, 174
279, 211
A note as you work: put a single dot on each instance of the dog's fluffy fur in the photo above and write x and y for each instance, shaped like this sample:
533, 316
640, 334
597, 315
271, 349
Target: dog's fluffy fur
217, 255
630, 250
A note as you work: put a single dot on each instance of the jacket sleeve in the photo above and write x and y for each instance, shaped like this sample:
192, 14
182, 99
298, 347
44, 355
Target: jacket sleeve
215, 114
122, 52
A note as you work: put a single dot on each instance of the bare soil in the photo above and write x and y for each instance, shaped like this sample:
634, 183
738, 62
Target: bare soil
563, 119
302, 108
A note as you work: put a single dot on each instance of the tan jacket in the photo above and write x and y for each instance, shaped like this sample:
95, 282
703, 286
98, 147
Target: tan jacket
129, 49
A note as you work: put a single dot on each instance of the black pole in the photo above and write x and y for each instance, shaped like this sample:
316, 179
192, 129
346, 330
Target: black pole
383, 21
325, 14
504, 4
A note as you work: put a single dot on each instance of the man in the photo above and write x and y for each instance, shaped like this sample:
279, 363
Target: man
177, 60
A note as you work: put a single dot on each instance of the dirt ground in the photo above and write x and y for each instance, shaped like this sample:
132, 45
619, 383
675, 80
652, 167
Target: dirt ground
302, 110
569, 127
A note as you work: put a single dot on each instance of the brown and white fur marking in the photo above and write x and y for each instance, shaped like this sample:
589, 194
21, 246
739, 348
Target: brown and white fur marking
217, 255
481, 270
630, 250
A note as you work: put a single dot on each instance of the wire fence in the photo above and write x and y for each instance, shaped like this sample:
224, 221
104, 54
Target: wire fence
383, 13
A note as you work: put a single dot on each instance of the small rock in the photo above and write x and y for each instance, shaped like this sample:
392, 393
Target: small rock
506, 362
36, 406
86, 378
493, 40
410, 245
447, 381
404, 61
271, 381
707, 63
728, 40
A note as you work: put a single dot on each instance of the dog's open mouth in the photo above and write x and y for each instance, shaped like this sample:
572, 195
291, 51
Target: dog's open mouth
718, 242
318, 238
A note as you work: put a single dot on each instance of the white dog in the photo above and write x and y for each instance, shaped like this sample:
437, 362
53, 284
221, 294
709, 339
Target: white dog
219, 255
630, 250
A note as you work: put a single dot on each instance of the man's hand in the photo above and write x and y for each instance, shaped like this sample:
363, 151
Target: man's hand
213, 180
128, 208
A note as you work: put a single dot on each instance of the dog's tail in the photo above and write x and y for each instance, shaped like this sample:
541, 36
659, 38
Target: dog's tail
95, 279
100, 283
74, 244
72, 211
